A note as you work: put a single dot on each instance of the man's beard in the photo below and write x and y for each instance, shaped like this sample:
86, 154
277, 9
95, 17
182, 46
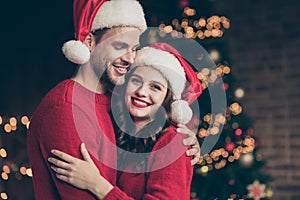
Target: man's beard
104, 70
105, 79
109, 77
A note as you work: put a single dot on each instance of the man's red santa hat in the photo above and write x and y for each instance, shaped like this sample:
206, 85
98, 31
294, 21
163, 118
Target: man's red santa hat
91, 15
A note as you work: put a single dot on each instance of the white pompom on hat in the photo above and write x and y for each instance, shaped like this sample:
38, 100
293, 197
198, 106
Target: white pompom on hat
91, 15
166, 59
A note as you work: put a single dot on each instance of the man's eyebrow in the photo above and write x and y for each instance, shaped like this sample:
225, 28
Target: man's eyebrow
124, 44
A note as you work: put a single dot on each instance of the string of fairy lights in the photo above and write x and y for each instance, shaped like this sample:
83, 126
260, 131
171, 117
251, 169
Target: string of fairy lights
214, 27
12, 125
201, 28
231, 152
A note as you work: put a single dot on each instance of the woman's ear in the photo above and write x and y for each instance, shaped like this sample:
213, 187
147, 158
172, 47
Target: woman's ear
90, 41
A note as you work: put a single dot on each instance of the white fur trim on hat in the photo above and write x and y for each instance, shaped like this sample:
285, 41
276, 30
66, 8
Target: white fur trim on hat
122, 13
181, 112
165, 63
76, 52
169, 66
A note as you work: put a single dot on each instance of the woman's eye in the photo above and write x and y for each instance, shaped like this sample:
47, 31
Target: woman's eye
156, 87
135, 80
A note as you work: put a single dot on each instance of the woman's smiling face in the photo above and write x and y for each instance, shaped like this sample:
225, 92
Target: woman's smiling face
145, 92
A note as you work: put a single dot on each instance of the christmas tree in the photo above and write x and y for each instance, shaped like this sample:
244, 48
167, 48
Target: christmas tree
233, 169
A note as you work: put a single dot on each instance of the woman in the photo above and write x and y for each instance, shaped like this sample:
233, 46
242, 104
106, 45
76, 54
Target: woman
151, 160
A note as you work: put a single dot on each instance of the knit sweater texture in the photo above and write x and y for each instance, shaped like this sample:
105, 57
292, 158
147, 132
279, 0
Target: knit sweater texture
169, 173
67, 116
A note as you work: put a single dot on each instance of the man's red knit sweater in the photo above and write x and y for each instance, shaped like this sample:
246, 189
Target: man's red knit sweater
67, 116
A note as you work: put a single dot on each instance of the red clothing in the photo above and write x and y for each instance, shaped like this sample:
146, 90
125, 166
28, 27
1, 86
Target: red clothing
170, 182
67, 116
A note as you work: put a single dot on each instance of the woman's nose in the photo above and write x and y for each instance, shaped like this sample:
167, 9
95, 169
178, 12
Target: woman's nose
142, 91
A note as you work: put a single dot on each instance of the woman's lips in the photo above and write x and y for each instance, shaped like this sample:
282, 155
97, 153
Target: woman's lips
139, 103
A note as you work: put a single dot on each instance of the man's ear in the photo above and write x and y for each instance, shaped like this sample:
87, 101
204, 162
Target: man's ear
90, 41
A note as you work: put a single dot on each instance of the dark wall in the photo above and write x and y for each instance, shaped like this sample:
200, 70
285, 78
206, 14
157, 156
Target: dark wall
31, 61
264, 44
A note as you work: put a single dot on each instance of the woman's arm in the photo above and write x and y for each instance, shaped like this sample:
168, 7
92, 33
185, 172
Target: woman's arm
80, 173
174, 180
84, 175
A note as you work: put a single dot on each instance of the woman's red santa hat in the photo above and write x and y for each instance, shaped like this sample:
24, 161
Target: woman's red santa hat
181, 77
91, 15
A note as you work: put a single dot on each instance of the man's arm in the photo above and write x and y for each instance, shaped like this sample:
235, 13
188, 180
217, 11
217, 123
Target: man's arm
192, 141
57, 130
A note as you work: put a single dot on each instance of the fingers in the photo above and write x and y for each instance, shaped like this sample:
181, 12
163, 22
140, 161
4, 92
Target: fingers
86, 156
195, 160
60, 171
63, 178
194, 151
184, 130
59, 163
85, 153
191, 140
63, 156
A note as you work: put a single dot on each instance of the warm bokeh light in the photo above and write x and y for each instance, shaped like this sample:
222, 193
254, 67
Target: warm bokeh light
214, 130
4, 176
189, 11
29, 172
184, 23
204, 169
239, 93
168, 29
235, 108
214, 26
246, 160
231, 159
3, 153
202, 133
6, 169
23, 170
226, 69
220, 118
7, 128
13, 121
13, 128
3, 196
207, 118
24, 120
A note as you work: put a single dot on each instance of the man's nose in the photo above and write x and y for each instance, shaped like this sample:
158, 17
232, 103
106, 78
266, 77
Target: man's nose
129, 57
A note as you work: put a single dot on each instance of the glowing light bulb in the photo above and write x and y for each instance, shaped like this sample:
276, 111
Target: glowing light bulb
239, 93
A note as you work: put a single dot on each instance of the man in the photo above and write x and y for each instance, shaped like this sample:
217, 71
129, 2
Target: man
76, 110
